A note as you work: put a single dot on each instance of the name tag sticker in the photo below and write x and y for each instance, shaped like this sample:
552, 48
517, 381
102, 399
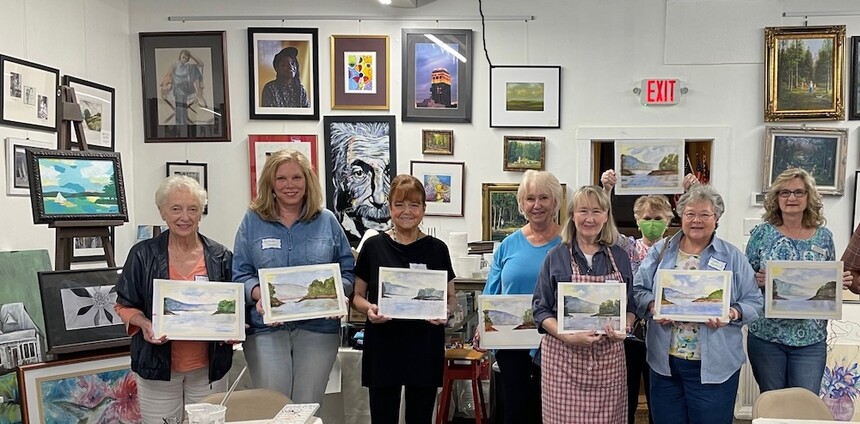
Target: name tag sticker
417, 266
716, 264
201, 278
818, 250
271, 243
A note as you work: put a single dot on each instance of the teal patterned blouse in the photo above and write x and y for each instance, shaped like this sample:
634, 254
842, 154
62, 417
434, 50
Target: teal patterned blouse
767, 243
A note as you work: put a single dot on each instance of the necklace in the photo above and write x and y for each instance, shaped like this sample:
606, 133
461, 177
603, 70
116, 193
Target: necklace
795, 234
394, 236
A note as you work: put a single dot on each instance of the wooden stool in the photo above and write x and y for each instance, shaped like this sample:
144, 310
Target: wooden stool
474, 371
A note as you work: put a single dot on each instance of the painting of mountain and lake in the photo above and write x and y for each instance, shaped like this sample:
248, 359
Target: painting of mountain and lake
191, 310
302, 292
803, 290
649, 166
413, 293
505, 321
591, 307
692, 295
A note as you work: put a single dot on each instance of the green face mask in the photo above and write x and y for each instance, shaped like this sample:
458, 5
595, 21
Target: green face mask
652, 229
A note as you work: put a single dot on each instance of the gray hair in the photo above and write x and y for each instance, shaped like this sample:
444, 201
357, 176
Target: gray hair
700, 192
544, 182
179, 182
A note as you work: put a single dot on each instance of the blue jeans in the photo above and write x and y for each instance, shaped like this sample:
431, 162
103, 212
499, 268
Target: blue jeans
682, 398
777, 366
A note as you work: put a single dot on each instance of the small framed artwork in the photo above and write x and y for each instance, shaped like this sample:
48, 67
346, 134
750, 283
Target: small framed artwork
197, 171
17, 180
820, 151
185, 96
649, 166
803, 289
261, 146
29, 93
437, 75
692, 295
302, 292
359, 71
76, 186
803, 73
197, 310
406, 293
283, 65
592, 307
437, 142
500, 215
146, 232
757, 198
525, 96
98, 106
506, 322
524, 153
444, 186
90, 249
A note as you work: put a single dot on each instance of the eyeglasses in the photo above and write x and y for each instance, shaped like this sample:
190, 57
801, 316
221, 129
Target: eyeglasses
689, 216
797, 193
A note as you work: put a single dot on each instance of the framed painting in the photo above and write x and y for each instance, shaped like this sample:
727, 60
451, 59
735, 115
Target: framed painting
500, 215
17, 179
68, 185
359, 71
90, 389
444, 186
29, 93
505, 321
10, 408
592, 307
524, 153
20, 302
261, 146
854, 87
841, 380
283, 69
692, 295
79, 310
361, 161
198, 310
820, 151
649, 166
98, 105
803, 289
302, 292
525, 96
406, 293
90, 249
185, 96
146, 232
437, 75
197, 171
803, 73
437, 142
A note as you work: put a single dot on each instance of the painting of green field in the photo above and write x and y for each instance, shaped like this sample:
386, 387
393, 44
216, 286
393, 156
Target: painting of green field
524, 96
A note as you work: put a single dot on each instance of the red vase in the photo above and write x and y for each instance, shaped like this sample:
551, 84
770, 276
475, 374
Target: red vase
842, 407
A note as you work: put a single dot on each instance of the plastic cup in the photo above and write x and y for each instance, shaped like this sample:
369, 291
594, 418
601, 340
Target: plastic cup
205, 413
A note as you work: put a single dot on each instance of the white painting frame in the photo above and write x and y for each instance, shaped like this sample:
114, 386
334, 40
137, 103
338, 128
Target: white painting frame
17, 180
188, 321
406, 282
449, 179
647, 155
798, 280
589, 293
697, 282
300, 278
504, 330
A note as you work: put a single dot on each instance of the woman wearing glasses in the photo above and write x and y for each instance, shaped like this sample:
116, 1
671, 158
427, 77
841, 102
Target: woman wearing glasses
695, 366
789, 352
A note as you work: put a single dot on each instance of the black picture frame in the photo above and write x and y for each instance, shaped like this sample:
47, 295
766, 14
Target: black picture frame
95, 100
855, 213
418, 44
525, 96
854, 87
29, 94
263, 45
198, 171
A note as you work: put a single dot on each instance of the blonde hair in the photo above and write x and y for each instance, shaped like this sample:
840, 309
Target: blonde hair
543, 182
267, 206
609, 231
812, 215
656, 203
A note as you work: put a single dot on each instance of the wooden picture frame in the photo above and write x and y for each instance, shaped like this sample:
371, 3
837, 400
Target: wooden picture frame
525, 97
820, 151
260, 146
198, 310
437, 62
524, 153
29, 92
17, 177
319, 287
406, 293
98, 106
437, 142
444, 186
679, 289
803, 289
505, 321
198, 171
185, 96
591, 307
500, 215
360, 71
649, 166
794, 92
273, 99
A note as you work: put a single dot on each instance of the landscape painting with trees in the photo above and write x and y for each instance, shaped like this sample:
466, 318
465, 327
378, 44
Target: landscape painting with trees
692, 295
506, 322
591, 307
649, 166
302, 292
803, 289
191, 310
500, 216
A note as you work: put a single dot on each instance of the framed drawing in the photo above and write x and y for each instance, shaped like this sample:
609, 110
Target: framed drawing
98, 105
197, 171
437, 142
444, 186
524, 153
506, 322
185, 96
302, 292
525, 96
854, 87
437, 75
17, 180
649, 166
413, 293
261, 146
74, 185
820, 151
196, 310
361, 160
79, 314
500, 215
29, 93
803, 290
803, 73
80, 390
359, 71
90, 249
283, 69
692, 295
592, 307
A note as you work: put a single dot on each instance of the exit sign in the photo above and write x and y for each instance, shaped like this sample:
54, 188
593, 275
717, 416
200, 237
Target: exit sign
660, 92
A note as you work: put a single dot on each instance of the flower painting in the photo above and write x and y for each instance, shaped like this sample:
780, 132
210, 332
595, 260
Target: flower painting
190, 310
437, 188
803, 289
840, 385
302, 292
591, 306
692, 295
413, 293
649, 166
506, 322
87, 307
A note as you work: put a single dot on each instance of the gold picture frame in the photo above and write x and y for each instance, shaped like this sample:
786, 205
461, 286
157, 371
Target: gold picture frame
524, 153
500, 216
437, 142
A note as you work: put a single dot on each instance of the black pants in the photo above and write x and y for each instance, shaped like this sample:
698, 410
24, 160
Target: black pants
385, 404
637, 370
520, 387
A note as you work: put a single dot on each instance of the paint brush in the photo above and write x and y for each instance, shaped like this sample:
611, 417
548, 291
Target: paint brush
233, 387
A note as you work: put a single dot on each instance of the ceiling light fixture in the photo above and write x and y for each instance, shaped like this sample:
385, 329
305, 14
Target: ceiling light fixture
385, 2
446, 47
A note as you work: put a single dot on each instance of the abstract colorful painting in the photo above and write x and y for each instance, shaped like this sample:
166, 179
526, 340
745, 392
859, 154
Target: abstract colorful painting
506, 322
803, 289
302, 292
191, 310
692, 295
413, 293
649, 166
591, 307
360, 76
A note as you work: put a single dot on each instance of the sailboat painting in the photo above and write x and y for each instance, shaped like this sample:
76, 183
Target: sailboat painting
803, 290
505, 321
302, 292
692, 295
191, 310
649, 166
591, 307
413, 293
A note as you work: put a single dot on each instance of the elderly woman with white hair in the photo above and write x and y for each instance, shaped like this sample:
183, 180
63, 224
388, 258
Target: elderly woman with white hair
171, 373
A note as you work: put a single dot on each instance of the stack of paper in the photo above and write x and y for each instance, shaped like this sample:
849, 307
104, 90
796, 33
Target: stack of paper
296, 413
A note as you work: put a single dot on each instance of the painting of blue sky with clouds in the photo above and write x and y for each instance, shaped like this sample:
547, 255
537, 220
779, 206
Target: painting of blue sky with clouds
591, 307
78, 186
413, 293
506, 322
189, 310
649, 166
803, 289
302, 292
692, 295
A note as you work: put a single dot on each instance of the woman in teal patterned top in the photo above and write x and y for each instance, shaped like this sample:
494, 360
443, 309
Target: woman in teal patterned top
789, 352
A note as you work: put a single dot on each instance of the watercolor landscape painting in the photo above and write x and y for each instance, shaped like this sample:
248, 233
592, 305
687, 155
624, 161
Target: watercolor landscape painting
649, 166
803, 289
591, 307
302, 292
188, 310
692, 295
413, 293
506, 322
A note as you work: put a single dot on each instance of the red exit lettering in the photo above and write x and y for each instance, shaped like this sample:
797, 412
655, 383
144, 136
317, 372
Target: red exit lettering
659, 91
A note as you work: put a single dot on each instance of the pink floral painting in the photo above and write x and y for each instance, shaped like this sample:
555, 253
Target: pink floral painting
103, 397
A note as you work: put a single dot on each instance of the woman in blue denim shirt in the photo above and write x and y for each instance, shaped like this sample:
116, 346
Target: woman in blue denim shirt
287, 226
